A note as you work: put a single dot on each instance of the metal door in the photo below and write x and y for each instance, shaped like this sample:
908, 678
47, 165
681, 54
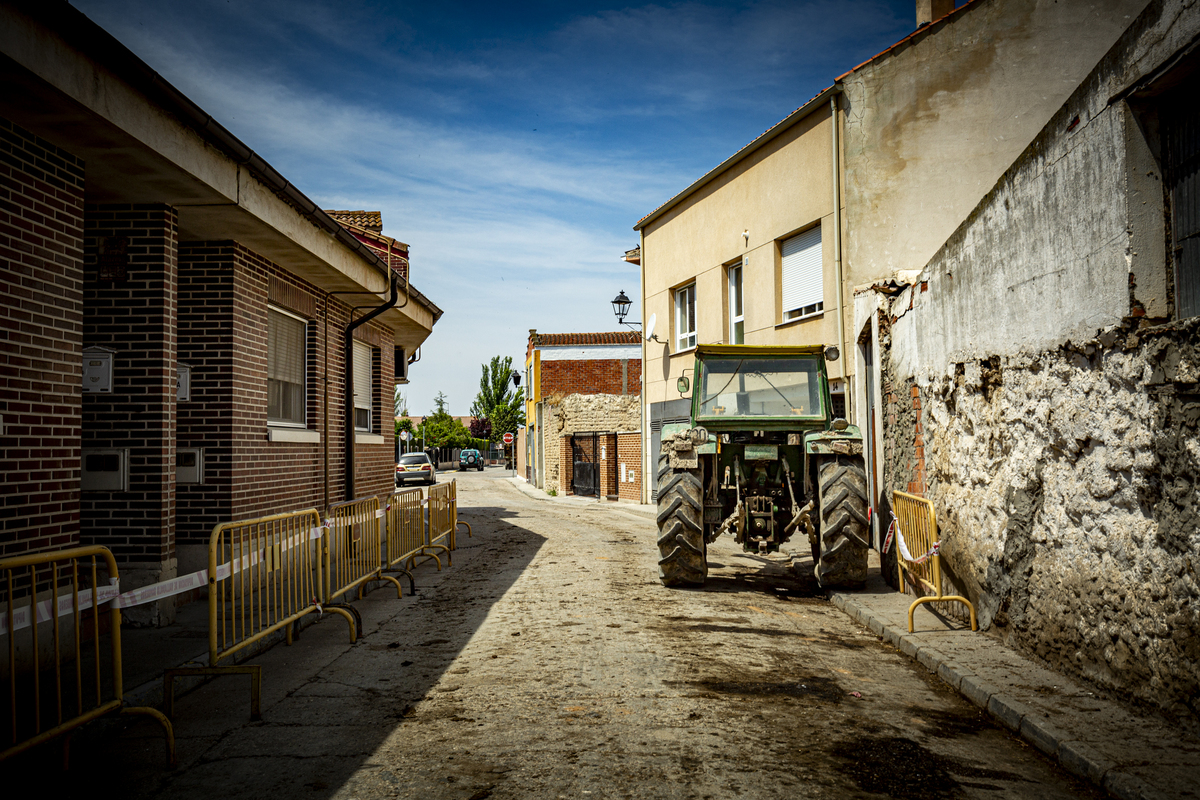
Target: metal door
585, 477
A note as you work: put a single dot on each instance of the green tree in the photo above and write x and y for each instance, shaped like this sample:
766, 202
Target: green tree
401, 403
442, 430
498, 400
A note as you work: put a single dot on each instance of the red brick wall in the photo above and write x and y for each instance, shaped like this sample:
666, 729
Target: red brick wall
594, 376
608, 466
41, 297
566, 465
225, 291
629, 453
135, 316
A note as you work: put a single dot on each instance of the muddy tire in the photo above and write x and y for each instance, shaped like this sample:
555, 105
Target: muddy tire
681, 548
844, 536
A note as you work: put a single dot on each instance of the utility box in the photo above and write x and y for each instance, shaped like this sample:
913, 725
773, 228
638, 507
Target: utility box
98, 369
189, 465
104, 469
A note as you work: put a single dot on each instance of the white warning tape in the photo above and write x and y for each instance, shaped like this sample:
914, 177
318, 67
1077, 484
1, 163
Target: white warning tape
148, 594
907, 556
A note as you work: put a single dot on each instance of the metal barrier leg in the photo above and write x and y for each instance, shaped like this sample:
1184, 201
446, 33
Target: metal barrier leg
920, 600
460, 522
158, 717
352, 616
412, 584
381, 577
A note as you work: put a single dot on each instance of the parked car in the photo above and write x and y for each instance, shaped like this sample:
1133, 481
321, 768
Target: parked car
415, 467
470, 459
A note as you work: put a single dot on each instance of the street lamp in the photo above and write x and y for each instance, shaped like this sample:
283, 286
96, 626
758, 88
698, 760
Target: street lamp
621, 305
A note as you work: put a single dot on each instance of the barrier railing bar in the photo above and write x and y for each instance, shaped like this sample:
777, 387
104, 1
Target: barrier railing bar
916, 524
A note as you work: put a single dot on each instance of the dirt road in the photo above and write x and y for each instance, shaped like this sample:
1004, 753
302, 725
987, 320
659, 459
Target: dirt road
548, 662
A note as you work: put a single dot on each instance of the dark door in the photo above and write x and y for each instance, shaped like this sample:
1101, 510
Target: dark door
585, 478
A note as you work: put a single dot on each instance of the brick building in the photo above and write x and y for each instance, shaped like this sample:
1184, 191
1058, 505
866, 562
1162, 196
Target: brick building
583, 400
181, 340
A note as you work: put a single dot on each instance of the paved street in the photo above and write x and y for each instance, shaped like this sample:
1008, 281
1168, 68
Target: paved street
548, 662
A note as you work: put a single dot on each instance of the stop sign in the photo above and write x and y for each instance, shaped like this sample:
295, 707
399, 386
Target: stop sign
508, 438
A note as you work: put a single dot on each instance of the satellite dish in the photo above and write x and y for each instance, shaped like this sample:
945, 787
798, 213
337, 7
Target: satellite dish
650, 326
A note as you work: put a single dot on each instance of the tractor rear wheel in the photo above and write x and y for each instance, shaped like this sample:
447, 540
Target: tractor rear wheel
844, 536
683, 553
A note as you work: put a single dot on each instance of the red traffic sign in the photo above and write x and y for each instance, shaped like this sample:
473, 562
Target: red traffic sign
508, 438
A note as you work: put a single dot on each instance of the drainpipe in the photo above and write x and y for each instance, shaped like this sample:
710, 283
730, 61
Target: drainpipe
837, 234
348, 395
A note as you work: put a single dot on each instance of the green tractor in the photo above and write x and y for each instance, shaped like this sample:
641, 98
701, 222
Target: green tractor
762, 458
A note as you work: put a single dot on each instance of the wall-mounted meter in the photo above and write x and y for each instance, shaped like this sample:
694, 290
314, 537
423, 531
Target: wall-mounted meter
183, 390
98, 369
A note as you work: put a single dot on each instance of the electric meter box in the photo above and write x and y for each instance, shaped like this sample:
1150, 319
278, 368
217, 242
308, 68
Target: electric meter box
98, 369
104, 469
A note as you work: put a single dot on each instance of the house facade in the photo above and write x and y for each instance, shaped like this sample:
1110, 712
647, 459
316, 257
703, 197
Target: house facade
189, 340
865, 180
582, 406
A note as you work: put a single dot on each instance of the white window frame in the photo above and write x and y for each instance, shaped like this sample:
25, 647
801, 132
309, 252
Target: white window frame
736, 278
285, 423
364, 383
685, 322
802, 275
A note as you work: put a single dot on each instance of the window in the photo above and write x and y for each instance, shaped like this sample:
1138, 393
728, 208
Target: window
1181, 140
285, 368
685, 317
364, 374
802, 279
737, 324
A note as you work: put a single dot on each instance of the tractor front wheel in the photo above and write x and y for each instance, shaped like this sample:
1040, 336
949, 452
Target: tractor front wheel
844, 537
683, 553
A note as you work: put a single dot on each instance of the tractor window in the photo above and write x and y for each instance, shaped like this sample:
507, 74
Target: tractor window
760, 387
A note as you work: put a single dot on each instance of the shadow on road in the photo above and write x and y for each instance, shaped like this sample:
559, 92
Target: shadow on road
328, 707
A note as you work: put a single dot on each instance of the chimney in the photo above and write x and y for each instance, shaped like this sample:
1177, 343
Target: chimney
929, 10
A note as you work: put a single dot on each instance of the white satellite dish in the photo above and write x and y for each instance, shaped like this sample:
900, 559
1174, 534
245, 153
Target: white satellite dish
650, 326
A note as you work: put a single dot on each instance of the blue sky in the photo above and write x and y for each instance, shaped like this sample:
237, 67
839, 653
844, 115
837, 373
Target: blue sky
512, 146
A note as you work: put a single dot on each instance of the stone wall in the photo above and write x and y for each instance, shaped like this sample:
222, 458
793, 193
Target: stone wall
1057, 400
576, 413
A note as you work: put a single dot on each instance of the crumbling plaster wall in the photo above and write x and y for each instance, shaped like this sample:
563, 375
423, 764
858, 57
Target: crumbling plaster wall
1061, 427
576, 413
932, 124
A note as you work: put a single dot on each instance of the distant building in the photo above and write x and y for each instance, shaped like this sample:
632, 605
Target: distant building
582, 409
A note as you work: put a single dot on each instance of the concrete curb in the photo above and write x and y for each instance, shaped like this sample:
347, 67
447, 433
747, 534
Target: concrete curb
1076, 757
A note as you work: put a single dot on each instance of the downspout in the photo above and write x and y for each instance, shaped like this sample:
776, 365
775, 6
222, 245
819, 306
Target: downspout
348, 394
649, 460
837, 235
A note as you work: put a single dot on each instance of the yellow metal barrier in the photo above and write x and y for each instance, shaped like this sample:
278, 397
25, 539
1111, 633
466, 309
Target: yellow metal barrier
442, 509
56, 678
406, 532
263, 575
917, 553
354, 548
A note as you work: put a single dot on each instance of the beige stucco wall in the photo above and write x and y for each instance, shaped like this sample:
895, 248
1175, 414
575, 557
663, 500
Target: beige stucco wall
782, 188
931, 127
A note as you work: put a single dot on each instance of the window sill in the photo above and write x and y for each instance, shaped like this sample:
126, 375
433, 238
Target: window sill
293, 435
361, 437
787, 323
684, 352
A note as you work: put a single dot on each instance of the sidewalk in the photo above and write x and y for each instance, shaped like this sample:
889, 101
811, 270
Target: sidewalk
1131, 754
642, 510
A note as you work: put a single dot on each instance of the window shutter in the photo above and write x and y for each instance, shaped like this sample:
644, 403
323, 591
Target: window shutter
362, 376
802, 277
285, 348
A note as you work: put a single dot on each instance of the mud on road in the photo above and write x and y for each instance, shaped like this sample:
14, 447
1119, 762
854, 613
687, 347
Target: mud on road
549, 662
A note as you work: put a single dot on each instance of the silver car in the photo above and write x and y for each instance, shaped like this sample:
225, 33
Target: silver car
415, 467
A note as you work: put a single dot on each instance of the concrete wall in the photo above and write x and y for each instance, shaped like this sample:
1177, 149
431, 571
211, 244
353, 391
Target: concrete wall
932, 125
1053, 417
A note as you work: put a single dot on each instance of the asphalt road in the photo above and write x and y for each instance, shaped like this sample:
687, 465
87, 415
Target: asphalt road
548, 662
